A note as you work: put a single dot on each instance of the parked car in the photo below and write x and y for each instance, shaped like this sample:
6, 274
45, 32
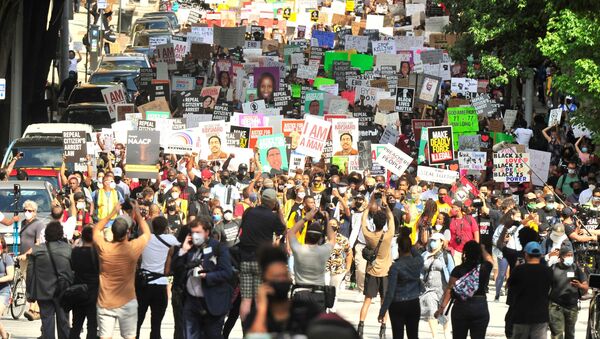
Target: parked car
169, 15
90, 92
123, 62
42, 157
155, 23
126, 78
142, 38
93, 113
40, 192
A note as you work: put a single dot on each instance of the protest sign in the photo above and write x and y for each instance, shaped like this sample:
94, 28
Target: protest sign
155, 115
465, 86
212, 140
555, 117
484, 105
390, 135
297, 163
181, 142
472, 160
194, 120
384, 47
429, 89
256, 132
238, 136
344, 136
325, 39
405, 100
112, 97
145, 78
470, 142
273, 155
432, 56
180, 47
146, 125
160, 89
289, 126
437, 175
166, 53
510, 115
422, 142
143, 149
266, 81
358, 42
464, 121
511, 167
393, 159
74, 146
314, 102
202, 35
540, 165
123, 109
314, 136
190, 102
222, 111
254, 107
440, 145
209, 96
418, 124
251, 120
376, 168
229, 37
183, 83
307, 72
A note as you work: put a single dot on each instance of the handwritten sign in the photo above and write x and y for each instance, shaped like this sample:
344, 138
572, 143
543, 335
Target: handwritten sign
472, 160
433, 174
511, 167
393, 159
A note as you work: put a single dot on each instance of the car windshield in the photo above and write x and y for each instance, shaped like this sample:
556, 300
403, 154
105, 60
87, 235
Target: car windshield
143, 40
151, 25
40, 156
123, 64
39, 196
80, 95
94, 117
102, 78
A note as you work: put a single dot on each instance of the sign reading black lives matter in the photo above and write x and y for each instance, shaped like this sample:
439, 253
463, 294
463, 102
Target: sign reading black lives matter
74, 146
143, 149
405, 100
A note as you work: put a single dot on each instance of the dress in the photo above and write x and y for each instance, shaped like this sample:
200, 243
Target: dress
434, 285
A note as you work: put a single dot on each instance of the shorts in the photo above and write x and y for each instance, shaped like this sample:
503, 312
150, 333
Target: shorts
126, 315
250, 279
375, 285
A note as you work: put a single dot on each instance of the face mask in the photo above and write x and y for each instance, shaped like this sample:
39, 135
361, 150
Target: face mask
441, 200
253, 197
112, 185
100, 179
228, 216
28, 215
554, 237
217, 218
550, 206
175, 195
280, 290
198, 239
288, 186
205, 199
301, 195
517, 219
531, 205
224, 180
280, 187
80, 205
433, 245
568, 261
181, 183
571, 171
438, 227
342, 190
171, 208
370, 188
584, 150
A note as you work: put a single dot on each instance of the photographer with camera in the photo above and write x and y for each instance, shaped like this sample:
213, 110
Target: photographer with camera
205, 268
463, 228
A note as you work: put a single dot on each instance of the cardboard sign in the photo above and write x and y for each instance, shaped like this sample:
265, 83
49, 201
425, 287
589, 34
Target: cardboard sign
314, 136
112, 97
273, 155
511, 167
74, 146
390, 135
540, 164
405, 98
472, 160
555, 117
384, 47
143, 148
166, 53
307, 72
437, 175
440, 145
393, 159
360, 43
510, 116
297, 163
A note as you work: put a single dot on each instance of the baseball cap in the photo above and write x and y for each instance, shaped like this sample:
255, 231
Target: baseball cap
269, 196
206, 174
268, 183
533, 248
565, 249
558, 229
437, 236
530, 196
117, 171
549, 198
567, 211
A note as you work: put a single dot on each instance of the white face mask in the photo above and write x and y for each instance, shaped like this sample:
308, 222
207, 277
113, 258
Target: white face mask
228, 216
568, 261
301, 195
288, 186
198, 239
80, 205
112, 185
438, 227
175, 195
342, 190
555, 238
28, 215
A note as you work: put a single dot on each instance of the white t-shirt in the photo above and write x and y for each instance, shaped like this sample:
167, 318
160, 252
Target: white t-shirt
523, 135
73, 65
219, 191
155, 256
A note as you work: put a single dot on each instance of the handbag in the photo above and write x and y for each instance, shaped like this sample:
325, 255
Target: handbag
371, 254
466, 286
62, 283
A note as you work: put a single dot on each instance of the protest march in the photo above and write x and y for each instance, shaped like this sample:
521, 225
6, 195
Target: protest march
309, 168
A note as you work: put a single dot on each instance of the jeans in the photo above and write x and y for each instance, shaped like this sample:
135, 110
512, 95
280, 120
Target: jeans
199, 324
470, 316
562, 321
232, 317
526, 331
405, 314
80, 313
48, 309
502, 268
155, 297
177, 297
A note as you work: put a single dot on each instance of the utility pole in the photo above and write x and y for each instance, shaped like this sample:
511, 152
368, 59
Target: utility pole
16, 79
64, 42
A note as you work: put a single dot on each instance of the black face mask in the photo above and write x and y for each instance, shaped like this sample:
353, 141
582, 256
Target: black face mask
182, 184
280, 289
224, 180
370, 188
171, 208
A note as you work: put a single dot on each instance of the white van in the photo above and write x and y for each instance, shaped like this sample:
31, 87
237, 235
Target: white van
56, 129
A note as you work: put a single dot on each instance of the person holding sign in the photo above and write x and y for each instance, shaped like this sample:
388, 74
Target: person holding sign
346, 143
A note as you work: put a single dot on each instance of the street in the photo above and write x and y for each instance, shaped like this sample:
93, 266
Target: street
347, 307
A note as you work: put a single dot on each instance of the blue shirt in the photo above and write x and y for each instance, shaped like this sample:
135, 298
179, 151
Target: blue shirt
404, 280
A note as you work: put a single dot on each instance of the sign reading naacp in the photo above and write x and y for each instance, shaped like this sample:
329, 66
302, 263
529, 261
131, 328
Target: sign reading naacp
74, 146
314, 136
440, 144
143, 149
511, 167
393, 159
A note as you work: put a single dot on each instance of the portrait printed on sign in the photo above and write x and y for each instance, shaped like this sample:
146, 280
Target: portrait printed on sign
223, 73
266, 82
314, 102
429, 90
404, 69
273, 155
344, 135
209, 96
213, 140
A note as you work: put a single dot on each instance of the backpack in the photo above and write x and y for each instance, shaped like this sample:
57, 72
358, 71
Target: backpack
466, 286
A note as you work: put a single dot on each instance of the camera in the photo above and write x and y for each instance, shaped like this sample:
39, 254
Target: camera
477, 203
380, 186
458, 240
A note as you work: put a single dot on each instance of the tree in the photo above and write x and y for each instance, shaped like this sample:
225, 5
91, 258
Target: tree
571, 42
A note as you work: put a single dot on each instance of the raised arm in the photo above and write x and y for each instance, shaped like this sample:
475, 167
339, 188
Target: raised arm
545, 133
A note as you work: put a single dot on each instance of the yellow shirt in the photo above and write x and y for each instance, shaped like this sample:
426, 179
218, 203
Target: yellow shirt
292, 221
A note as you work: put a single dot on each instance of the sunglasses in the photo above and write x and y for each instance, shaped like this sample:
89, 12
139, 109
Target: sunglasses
28, 210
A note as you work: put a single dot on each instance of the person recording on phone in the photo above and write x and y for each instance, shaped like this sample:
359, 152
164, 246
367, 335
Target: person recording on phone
5, 172
205, 269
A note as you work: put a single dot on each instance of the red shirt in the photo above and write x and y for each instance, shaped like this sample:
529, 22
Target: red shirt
464, 228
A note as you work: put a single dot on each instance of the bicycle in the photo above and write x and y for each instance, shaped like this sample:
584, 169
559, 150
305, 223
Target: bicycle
18, 299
